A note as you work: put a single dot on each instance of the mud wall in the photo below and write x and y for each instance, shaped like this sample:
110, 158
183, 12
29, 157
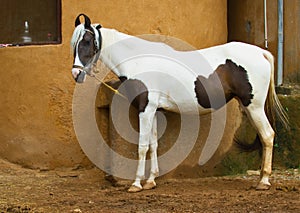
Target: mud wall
36, 128
246, 23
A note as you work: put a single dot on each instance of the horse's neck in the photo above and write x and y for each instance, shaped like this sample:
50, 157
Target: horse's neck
110, 37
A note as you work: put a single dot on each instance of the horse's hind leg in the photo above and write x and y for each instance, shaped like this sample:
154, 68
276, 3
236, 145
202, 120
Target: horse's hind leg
260, 121
150, 184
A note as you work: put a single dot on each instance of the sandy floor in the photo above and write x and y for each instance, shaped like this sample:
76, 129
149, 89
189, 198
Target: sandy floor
24, 190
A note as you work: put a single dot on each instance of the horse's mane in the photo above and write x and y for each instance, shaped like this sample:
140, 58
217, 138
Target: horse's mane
76, 36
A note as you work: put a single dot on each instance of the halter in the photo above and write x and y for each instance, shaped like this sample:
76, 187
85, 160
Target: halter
87, 69
98, 44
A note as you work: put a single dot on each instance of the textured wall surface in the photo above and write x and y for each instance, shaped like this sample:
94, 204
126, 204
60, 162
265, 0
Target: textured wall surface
36, 128
246, 23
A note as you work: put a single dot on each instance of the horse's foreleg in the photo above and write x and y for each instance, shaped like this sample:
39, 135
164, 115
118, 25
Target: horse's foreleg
145, 123
150, 184
266, 134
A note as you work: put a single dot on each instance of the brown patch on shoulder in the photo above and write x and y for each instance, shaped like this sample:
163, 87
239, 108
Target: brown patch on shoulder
226, 82
136, 92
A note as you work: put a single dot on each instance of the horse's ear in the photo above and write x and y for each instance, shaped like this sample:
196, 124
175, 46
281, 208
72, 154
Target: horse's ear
87, 21
98, 26
77, 20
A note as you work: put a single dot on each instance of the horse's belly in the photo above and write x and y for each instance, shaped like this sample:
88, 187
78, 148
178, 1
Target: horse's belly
186, 106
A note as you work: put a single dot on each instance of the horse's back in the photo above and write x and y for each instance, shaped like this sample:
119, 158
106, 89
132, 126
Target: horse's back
250, 57
174, 74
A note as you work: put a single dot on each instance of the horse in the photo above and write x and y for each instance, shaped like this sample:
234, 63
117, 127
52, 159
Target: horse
233, 70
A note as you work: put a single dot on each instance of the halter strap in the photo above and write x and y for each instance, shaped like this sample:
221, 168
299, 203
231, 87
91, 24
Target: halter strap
87, 30
101, 81
77, 66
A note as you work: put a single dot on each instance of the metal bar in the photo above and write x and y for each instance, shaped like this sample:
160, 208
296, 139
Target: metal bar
266, 24
280, 44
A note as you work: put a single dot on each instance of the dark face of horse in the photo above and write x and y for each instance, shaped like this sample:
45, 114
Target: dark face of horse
86, 42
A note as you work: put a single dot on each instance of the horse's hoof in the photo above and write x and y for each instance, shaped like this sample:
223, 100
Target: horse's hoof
134, 188
112, 180
263, 186
149, 185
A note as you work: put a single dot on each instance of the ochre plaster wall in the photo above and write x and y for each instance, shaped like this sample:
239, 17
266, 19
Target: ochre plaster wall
246, 23
36, 87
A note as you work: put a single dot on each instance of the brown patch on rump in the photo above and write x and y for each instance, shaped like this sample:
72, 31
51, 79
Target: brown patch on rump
136, 92
226, 82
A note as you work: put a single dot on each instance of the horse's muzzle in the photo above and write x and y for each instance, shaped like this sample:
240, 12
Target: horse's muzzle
79, 75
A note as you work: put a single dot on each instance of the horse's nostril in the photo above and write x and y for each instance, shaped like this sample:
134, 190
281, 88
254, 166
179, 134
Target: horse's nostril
80, 78
75, 72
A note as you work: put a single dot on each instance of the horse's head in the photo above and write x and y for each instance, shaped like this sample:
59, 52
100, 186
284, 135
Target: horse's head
86, 45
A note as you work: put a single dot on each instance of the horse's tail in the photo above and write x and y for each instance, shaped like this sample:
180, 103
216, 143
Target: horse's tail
273, 106
273, 110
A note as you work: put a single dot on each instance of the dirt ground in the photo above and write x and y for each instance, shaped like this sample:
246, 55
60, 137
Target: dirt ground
24, 190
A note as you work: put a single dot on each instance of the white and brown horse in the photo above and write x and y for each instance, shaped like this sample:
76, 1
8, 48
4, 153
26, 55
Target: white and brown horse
211, 78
